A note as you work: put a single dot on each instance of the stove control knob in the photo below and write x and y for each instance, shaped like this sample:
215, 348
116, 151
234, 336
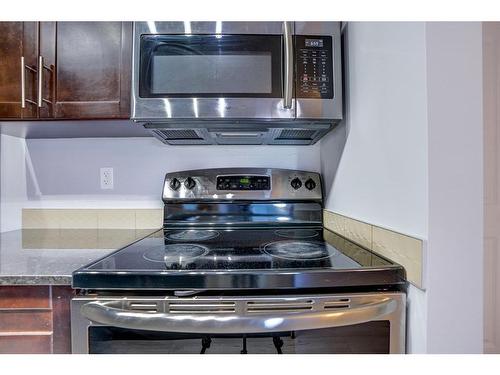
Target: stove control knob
175, 184
189, 183
296, 183
310, 184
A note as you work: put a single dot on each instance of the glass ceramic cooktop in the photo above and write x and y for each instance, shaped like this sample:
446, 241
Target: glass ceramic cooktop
239, 249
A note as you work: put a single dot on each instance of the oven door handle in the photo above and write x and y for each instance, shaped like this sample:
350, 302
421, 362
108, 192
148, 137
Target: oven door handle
110, 314
288, 65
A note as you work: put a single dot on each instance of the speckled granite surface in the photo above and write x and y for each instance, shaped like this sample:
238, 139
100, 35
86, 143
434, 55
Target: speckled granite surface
49, 256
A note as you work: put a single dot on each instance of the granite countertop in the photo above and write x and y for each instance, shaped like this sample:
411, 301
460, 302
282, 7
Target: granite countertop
49, 256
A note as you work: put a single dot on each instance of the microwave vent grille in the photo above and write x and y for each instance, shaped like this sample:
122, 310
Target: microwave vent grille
239, 133
182, 136
178, 134
297, 134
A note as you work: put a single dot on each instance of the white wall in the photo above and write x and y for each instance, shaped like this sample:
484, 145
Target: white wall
412, 162
491, 139
13, 194
381, 175
65, 172
455, 264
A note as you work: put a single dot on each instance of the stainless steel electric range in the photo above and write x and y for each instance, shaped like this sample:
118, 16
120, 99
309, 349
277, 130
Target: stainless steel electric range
242, 265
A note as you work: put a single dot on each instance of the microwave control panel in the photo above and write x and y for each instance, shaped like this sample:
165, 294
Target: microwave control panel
314, 59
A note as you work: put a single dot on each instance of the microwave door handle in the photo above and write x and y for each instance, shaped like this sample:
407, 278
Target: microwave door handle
111, 313
288, 65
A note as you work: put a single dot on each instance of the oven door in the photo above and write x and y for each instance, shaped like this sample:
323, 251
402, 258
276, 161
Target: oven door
213, 70
356, 323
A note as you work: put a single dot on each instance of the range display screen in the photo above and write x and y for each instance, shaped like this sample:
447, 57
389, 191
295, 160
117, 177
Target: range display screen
243, 183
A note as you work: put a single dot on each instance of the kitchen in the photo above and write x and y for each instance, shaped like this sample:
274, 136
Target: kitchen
81, 179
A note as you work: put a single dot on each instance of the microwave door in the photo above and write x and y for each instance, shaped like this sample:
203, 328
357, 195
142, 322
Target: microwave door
213, 76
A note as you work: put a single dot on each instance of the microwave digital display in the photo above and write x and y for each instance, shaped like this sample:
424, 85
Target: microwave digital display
314, 43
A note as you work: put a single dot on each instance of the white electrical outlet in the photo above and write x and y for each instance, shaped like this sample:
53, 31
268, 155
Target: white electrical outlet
106, 178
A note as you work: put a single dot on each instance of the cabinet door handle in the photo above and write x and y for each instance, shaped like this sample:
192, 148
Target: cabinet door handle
40, 81
24, 100
23, 83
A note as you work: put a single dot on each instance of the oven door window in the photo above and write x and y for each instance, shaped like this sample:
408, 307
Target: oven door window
370, 338
210, 66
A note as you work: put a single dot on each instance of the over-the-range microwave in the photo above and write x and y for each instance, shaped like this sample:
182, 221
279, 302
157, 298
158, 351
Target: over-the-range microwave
237, 82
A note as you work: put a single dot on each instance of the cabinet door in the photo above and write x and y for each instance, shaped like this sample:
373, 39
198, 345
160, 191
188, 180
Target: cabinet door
18, 40
35, 319
87, 69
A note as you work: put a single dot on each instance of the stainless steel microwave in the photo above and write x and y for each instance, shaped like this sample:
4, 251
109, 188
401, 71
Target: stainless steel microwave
237, 82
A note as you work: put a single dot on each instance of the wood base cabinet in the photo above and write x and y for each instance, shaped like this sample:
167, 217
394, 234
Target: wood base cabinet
72, 70
35, 319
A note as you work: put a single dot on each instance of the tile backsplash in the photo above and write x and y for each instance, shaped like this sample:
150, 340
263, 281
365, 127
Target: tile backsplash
92, 218
88, 239
400, 248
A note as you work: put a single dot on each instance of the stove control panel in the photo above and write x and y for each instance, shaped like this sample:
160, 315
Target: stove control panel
243, 182
259, 184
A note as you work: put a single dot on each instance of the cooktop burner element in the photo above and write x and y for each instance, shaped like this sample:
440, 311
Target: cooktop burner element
175, 253
297, 233
297, 250
192, 235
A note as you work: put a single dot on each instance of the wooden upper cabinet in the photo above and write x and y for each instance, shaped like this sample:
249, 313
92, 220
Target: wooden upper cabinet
18, 43
87, 69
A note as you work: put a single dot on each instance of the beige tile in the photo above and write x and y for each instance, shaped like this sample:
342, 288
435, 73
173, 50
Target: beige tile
40, 218
402, 249
153, 232
78, 239
115, 239
116, 219
359, 254
148, 218
333, 239
334, 222
358, 232
78, 219
40, 238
